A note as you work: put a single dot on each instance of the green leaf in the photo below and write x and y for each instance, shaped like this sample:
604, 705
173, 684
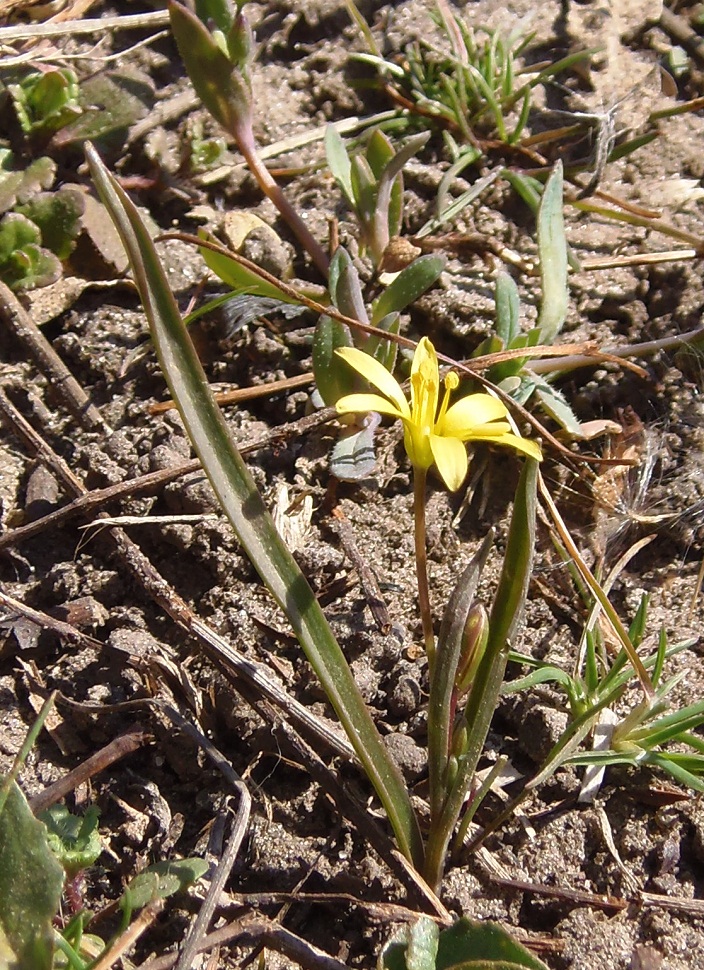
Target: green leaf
163, 879
31, 881
383, 350
466, 945
217, 82
46, 101
20, 186
552, 247
16, 231
555, 404
442, 683
112, 102
332, 376
250, 519
24, 264
505, 616
413, 947
387, 215
241, 279
353, 457
30, 268
58, 216
507, 309
379, 152
339, 162
364, 190
75, 841
471, 944
528, 188
345, 288
220, 12
410, 283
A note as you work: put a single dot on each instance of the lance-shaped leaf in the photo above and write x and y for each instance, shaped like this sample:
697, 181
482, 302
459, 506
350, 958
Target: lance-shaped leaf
217, 81
250, 519
466, 945
410, 283
552, 246
447, 657
505, 616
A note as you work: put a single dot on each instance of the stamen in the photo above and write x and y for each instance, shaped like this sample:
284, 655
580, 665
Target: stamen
452, 382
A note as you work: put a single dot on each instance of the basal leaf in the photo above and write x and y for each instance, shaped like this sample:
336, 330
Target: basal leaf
31, 881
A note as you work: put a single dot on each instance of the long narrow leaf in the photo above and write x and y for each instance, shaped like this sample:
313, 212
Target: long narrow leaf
241, 501
552, 246
481, 704
446, 661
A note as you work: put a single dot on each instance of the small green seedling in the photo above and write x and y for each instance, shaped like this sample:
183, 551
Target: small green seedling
217, 47
474, 88
38, 227
73, 839
638, 737
45, 102
514, 376
372, 184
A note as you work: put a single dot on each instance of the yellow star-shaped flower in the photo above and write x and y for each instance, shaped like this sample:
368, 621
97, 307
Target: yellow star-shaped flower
432, 436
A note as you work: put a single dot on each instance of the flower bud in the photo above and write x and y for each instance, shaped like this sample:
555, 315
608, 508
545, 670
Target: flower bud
474, 640
460, 739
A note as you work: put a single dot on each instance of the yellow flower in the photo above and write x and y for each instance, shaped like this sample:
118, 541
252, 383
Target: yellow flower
432, 436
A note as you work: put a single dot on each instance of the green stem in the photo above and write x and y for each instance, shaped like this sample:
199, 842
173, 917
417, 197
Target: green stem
419, 479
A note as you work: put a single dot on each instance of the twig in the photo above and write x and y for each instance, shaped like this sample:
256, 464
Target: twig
579, 897
46, 622
368, 580
239, 394
130, 936
102, 759
260, 930
19, 322
88, 502
646, 349
95, 25
199, 928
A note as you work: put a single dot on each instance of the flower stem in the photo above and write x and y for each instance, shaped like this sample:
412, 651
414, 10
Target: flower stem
419, 478
271, 188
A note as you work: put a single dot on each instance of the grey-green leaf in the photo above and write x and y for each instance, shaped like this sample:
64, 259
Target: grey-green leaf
507, 308
552, 246
30, 884
410, 283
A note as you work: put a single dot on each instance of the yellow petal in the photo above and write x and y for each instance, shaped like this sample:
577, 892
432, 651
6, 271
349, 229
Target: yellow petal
417, 445
486, 432
376, 374
451, 458
425, 384
475, 409
360, 403
524, 445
